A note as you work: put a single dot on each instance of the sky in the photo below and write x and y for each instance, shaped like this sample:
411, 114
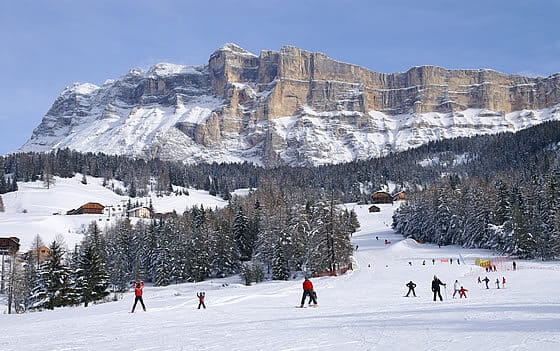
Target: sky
46, 45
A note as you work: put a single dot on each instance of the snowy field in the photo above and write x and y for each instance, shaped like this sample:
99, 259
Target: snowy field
362, 310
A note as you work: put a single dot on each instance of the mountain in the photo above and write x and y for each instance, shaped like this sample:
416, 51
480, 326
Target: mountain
289, 107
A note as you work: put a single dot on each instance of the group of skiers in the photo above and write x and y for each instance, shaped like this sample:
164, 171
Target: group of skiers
486, 280
138, 286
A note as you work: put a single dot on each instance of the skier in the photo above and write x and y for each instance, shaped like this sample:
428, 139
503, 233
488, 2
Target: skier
463, 293
138, 286
504, 282
498, 283
436, 289
486, 280
201, 295
423, 262
450, 261
456, 288
307, 291
433, 261
312, 296
479, 281
514, 265
411, 287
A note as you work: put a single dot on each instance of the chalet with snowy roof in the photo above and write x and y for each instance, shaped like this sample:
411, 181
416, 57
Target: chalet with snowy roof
140, 212
9, 245
88, 208
381, 197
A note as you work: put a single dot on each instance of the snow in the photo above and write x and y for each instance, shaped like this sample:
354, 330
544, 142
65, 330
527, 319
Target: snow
34, 209
361, 310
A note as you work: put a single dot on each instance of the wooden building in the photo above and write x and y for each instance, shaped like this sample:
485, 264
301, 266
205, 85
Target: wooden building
9, 245
140, 212
374, 208
381, 197
39, 255
401, 195
88, 208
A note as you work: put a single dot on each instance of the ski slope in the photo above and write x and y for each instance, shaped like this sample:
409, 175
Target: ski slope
362, 310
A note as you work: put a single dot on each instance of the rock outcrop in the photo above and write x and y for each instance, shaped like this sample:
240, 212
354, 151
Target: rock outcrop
289, 106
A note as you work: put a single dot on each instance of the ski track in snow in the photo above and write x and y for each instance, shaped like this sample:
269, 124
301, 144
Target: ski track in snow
361, 310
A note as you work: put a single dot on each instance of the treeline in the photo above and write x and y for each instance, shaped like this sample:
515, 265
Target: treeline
267, 234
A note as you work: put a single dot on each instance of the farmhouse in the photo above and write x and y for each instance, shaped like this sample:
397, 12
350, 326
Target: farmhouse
140, 212
88, 208
381, 197
9, 245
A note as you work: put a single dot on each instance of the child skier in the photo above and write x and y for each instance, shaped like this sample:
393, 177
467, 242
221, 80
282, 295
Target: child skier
138, 286
201, 296
411, 287
463, 293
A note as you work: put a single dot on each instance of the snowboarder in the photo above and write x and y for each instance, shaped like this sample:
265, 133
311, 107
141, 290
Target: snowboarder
456, 287
436, 288
463, 293
514, 265
498, 283
308, 291
486, 280
138, 286
411, 287
201, 295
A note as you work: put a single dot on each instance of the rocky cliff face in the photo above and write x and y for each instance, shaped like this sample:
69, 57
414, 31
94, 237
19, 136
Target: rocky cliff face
289, 106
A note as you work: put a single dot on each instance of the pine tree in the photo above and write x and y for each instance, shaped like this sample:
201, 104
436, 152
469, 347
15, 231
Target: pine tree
54, 281
92, 277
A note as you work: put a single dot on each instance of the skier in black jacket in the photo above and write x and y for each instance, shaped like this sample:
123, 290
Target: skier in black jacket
411, 287
436, 289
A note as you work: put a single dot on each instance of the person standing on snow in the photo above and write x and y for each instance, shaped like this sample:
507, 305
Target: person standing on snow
138, 286
436, 288
503, 282
308, 291
486, 280
201, 296
498, 283
411, 287
456, 287
463, 293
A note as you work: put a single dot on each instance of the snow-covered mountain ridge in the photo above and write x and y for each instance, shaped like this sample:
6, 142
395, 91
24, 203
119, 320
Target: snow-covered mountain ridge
288, 107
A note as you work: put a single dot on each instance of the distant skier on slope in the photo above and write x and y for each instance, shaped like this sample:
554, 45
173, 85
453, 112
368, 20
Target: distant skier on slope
201, 296
411, 287
138, 286
436, 288
308, 291
486, 280
456, 287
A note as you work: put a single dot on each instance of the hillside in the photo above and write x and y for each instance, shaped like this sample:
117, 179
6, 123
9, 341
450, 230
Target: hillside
34, 209
362, 310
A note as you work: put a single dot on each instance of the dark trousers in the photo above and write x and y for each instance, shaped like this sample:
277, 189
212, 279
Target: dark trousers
201, 303
138, 298
438, 293
409, 291
311, 296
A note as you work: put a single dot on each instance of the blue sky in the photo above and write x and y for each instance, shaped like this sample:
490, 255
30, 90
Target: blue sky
48, 45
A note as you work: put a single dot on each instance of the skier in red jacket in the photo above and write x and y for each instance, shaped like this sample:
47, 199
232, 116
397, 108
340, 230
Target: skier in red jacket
308, 291
201, 296
138, 286
463, 293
